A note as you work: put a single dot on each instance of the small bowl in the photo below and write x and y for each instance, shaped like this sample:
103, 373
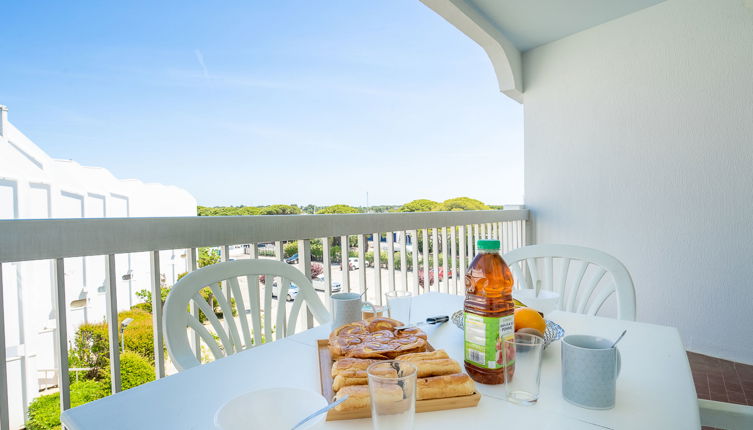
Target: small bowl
271, 409
553, 330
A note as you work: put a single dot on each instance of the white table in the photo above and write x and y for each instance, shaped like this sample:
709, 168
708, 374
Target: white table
654, 391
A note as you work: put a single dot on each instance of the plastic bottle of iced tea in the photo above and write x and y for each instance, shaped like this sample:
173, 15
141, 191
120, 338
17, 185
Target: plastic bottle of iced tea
489, 313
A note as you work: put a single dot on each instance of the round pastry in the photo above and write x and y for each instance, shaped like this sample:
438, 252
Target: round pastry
375, 338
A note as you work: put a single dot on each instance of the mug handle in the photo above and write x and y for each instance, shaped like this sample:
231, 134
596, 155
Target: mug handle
619, 364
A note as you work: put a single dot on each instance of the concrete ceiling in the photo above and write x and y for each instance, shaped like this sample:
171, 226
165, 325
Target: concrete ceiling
530, 23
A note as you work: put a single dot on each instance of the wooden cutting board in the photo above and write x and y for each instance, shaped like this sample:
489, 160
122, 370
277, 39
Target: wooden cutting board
325, 372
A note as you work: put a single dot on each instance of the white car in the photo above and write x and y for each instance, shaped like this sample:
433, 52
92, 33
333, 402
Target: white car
318, 282
321, 285
353, 263
292, 291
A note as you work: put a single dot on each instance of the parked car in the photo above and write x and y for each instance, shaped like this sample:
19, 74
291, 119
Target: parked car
292, 291
321, 285
353, 263
293, 259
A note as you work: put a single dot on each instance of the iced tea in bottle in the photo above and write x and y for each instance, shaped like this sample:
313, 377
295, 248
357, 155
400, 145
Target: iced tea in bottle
488, 314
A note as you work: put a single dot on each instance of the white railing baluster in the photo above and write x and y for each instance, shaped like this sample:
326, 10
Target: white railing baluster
61, 334
226, 290
462, 254
446, 273
362, 263
476, 237
327, 263
435, 257
156, 281
252, 287
404, 261
304, 260
193, 264
345, 263
390, 261
425, 241
111, 307
454, 256
470, 244
378, 268
414, 257
4, 405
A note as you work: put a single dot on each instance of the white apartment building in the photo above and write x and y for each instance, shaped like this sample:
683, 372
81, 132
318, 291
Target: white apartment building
33, 186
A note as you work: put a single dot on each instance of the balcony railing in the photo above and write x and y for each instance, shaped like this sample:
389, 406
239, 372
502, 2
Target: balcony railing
111, 246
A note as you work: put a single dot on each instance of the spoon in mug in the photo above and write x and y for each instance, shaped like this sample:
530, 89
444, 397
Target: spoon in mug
618, 339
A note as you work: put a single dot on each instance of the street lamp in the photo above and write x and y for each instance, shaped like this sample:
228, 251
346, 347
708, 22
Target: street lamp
123, 325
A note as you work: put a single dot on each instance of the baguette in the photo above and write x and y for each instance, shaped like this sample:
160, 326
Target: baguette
433, 355
438, 387
358, 377
343, 379
348, 364
360, 398
437, 367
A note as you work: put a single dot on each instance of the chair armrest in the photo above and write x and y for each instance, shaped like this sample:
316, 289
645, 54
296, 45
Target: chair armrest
725, 415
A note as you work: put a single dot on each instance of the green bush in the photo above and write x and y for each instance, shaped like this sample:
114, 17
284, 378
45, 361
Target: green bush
44, 411
290, 249
91, 347
135, 370
339, 209
139, 335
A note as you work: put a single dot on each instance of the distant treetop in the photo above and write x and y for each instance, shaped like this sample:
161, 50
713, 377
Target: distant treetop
280, 210
462, 204
339, 209
420, 205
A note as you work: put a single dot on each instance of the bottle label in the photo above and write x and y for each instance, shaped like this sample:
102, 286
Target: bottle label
484, 339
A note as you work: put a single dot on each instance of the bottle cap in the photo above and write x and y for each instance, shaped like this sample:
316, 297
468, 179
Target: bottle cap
487, 244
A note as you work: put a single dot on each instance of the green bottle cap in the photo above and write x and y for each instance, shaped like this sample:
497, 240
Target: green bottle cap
487, 244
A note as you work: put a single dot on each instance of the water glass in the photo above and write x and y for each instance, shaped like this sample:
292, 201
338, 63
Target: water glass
392, 386
522, 354
398, 305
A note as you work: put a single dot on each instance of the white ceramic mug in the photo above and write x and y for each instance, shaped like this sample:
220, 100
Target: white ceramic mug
590, 367
346, 308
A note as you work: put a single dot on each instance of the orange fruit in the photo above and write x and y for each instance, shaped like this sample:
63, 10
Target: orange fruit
529, 318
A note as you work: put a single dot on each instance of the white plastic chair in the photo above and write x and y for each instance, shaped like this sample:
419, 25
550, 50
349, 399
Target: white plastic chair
534, 266
728, 416
177, 319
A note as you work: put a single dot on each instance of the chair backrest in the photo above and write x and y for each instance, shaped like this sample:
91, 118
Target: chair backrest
238, 334
583, 277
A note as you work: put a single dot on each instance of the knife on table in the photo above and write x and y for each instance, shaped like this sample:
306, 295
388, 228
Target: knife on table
439, 319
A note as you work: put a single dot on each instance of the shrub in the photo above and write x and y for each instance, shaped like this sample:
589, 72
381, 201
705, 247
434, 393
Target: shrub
316, 270
135, 370
421, 278
139, 335
91, 347
290, 249
91, 342
44, 411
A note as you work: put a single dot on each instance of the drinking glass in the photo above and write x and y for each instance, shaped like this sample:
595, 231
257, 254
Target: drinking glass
398, 306
522, 354
392, 386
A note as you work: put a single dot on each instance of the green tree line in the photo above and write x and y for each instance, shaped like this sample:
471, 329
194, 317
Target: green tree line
420, 205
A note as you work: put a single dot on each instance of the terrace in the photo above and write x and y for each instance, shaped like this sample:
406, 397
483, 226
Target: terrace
638, 120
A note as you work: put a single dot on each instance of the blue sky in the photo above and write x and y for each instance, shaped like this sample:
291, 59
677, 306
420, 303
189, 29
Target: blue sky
260, 102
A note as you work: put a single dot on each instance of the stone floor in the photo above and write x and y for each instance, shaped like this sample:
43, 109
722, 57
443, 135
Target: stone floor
722, 380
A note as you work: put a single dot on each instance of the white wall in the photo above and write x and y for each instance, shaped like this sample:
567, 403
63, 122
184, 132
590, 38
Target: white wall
639, 142
32, 185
